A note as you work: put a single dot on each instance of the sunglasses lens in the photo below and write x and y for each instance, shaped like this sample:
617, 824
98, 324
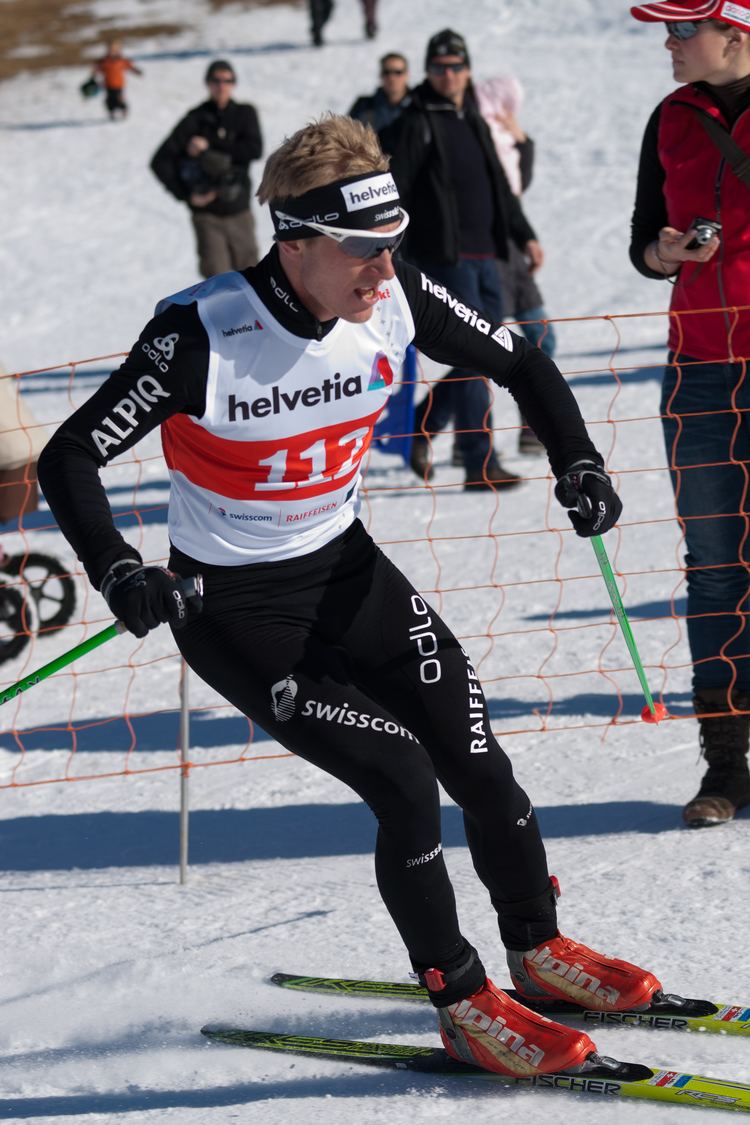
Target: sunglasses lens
365, 248
443, 68
686, 29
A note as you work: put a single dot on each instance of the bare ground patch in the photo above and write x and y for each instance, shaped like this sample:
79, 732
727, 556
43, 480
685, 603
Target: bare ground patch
38, 34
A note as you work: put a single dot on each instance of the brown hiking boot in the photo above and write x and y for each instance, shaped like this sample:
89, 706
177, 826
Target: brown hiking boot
724, 737
528, 442
420, 457
492, 475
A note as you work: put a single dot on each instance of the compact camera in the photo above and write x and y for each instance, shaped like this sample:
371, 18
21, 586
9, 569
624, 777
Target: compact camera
705, 229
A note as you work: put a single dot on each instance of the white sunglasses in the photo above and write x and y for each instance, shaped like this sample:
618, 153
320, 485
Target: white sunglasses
357, 243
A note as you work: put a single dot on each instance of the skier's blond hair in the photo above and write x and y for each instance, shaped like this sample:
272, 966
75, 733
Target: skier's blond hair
324, 151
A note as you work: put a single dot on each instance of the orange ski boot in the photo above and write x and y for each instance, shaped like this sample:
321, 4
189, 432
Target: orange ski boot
563, 969
491, 1030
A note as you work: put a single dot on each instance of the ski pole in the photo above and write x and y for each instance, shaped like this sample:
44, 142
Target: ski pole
191, 588
68, 657
652, 712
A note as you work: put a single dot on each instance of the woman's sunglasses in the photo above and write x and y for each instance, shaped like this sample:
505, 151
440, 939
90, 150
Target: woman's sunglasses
687, 29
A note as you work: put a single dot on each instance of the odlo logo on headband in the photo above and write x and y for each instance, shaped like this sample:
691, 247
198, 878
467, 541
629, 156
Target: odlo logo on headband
369, 192
292, 223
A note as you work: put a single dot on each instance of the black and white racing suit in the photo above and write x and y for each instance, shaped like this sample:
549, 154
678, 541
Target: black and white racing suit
307, 627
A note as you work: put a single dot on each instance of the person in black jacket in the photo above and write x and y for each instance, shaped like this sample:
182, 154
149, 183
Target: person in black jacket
391, 98
443, 156
204, 162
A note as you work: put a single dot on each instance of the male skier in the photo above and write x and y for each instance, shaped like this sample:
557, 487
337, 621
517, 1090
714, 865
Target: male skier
267, 384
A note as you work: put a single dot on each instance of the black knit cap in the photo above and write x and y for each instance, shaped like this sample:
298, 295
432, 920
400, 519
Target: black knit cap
446, 42
219, 66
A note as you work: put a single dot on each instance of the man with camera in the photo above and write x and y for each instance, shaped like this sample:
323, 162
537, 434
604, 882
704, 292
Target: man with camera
204, 162
690, 225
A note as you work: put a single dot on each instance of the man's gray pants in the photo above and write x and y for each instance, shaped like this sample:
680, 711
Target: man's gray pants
224, 242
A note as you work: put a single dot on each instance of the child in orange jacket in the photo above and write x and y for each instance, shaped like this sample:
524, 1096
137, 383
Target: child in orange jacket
113, 68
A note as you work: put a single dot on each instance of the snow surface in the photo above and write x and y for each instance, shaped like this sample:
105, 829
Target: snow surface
110, 967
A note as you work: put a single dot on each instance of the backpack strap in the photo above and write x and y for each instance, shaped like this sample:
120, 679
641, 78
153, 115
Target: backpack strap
738, 159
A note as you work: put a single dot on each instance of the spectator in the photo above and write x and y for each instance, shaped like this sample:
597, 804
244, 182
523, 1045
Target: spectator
499, 101
371, 27
112, 68
204, 162
385, 106
320, 13
686, 176
444, 158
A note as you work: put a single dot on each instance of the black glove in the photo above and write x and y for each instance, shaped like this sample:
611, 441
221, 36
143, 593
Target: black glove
142, 597
588, 489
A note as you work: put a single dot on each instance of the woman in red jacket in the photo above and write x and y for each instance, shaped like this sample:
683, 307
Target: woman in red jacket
691, 224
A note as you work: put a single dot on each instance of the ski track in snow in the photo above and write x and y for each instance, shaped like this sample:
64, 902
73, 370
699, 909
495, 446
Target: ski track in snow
109, 967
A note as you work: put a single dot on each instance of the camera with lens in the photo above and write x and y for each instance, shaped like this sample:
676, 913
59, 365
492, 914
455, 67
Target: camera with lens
705, 229
211, 171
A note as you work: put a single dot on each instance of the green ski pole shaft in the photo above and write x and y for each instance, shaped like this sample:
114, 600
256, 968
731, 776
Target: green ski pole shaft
34, 678
654, 711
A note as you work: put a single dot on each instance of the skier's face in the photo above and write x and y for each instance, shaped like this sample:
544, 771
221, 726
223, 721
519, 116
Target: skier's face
330, 283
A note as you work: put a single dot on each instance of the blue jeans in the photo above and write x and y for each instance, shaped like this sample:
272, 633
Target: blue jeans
709, 458
540, 335
460, 394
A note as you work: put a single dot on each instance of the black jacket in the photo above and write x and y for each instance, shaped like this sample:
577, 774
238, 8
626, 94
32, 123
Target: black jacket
421, 167
377, 111
234, 140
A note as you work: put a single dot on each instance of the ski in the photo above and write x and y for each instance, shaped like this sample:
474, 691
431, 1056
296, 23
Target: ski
604, 1076
666, 1012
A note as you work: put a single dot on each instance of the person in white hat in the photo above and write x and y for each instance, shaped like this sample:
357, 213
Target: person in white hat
690, 225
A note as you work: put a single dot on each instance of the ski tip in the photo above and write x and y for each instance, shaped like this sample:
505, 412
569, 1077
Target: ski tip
216, 1030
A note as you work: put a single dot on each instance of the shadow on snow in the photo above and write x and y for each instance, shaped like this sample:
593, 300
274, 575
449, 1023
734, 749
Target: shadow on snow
91, 841
159, 733
329, 1085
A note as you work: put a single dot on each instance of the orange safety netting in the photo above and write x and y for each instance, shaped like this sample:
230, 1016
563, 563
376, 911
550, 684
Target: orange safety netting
521, 592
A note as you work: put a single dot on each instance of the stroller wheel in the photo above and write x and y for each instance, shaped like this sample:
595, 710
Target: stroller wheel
53, 591
19, 620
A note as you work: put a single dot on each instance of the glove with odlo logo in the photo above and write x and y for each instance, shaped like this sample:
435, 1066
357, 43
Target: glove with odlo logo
143, 597
587, 488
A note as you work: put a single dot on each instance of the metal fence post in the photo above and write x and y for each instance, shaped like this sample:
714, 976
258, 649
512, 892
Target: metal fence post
184, 770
